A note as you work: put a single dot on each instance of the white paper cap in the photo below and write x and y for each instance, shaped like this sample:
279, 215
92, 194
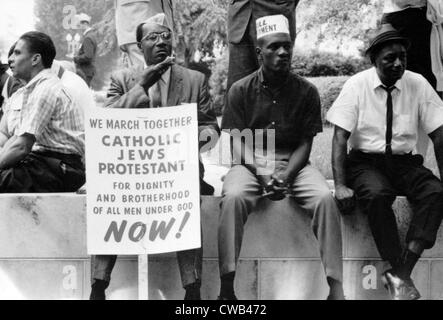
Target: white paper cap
272, 24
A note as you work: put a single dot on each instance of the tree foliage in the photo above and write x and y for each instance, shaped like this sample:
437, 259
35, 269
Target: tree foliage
54, 18
198, 24
339, 20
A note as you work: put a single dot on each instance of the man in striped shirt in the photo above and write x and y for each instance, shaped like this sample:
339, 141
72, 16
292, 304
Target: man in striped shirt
42, 130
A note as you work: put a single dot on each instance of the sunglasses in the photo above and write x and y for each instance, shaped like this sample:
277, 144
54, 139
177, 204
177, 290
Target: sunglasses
154, 36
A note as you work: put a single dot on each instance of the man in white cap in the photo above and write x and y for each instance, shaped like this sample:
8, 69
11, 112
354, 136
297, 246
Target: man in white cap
128, 15
161, 83
274, 98
242, 38
85, 58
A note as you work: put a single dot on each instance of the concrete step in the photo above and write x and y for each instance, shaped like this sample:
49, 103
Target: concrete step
43, 255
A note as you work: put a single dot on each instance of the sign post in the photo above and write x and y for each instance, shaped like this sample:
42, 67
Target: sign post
143, 277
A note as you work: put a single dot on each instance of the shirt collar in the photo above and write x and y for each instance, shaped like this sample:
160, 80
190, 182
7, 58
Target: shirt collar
377, 82
44, 74
262, 79
261, 76
86, 31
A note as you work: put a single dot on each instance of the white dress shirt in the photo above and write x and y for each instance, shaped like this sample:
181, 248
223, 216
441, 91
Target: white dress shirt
361, 110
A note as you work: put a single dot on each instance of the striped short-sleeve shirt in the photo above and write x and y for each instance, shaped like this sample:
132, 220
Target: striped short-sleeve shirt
44, 109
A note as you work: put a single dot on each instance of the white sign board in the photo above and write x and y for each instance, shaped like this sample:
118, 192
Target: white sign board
142, 180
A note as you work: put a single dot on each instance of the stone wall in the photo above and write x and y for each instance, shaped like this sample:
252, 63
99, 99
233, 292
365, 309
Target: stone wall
43, 255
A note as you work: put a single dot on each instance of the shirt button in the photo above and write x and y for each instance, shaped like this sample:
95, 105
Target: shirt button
274, 102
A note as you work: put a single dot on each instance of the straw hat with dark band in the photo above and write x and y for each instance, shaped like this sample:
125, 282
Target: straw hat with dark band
385, 34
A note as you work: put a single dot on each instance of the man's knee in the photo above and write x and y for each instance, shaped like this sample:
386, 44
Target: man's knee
322, 197
435, 189
377, 195
235, 203
235, 196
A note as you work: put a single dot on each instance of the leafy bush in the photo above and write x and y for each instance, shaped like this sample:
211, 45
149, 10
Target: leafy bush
329, 88
218, 82
317, 64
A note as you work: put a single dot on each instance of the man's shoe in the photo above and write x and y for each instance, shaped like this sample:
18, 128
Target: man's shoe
400, 289
335, 296
335, 289
97, 295
98, 290
192, 295
231, 298
411, 292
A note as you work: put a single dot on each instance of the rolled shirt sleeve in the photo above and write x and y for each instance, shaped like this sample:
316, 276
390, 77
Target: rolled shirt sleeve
430, 110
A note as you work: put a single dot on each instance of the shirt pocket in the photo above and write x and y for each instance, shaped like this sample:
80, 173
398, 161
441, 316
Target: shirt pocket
404, 125
371, 121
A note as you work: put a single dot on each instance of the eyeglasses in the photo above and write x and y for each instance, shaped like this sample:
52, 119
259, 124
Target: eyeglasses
154, 36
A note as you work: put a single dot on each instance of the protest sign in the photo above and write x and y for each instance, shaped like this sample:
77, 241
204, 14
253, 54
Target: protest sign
142, 180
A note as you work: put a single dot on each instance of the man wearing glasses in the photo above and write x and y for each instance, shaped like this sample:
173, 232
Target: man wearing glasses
160, 84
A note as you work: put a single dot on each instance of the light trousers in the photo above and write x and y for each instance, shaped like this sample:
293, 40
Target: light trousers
240, 194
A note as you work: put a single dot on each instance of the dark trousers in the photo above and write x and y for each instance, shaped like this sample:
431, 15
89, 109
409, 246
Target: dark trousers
377, 180
189, 263
413, 24
243, 57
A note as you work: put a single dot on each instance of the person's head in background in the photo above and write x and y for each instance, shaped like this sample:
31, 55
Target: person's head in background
84, 21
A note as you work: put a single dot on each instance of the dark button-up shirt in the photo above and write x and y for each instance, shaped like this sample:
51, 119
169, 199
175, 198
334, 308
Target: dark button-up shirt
293, 110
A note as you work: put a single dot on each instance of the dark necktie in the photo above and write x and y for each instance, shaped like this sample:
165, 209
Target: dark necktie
389, 116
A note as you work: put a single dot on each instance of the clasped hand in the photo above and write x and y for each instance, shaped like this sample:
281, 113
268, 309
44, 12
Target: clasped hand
277, 186
345, 199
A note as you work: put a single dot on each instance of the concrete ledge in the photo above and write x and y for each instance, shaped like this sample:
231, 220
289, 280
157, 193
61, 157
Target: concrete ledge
43, 254
42, 226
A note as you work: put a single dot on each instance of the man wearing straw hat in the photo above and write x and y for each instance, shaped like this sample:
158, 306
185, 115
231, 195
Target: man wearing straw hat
379, 111
286, 109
